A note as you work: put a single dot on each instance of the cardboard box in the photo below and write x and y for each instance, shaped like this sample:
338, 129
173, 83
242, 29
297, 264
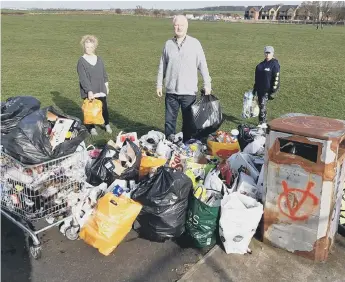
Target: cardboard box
61, 128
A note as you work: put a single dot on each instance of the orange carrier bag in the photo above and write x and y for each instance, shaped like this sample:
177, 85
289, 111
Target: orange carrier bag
110, 223
93, 112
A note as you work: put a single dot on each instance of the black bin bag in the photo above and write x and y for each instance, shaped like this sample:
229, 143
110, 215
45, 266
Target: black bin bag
244, 136
15, 109
102, 170
165, 202
99, 172
207, 116
29, 142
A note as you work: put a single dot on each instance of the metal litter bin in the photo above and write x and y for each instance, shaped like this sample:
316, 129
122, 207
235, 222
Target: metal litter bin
303, 186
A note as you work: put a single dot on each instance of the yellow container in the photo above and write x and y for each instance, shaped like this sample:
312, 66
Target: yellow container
222, 150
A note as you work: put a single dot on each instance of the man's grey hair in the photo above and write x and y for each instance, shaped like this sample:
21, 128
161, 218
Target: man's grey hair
180, 17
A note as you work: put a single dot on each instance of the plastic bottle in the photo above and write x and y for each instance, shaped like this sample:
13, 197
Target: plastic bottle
234, 135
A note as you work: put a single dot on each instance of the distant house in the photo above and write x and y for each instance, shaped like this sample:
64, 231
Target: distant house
302, 13
269, 12
252, 12
287, 12
189, 16
210, 18
235, 16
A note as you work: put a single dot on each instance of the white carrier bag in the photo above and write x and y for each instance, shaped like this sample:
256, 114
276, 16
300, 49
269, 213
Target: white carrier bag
250, 105
239, 219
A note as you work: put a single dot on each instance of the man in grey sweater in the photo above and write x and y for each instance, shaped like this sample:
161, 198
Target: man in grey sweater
182, 57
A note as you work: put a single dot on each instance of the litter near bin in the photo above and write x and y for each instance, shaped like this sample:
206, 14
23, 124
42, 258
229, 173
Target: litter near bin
209, 187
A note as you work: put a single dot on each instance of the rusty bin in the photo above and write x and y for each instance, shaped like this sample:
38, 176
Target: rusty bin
303, 185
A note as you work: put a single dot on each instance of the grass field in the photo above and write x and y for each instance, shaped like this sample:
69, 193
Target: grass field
39, 56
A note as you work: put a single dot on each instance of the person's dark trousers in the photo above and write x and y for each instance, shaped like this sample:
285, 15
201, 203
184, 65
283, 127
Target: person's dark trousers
263, 99
105, 113
172, 106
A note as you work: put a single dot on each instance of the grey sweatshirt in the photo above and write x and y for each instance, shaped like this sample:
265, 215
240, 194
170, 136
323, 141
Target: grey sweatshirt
91, 78
179, 67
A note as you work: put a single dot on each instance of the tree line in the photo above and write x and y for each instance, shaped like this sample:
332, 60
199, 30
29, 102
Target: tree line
324, 10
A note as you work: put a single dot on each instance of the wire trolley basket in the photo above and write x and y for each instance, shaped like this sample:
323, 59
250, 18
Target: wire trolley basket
34, 193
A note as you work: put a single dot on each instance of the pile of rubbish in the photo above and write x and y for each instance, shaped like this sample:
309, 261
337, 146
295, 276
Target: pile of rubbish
207, 187
32, 135
38, 173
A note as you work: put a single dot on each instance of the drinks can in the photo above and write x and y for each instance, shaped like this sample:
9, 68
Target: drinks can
118, 190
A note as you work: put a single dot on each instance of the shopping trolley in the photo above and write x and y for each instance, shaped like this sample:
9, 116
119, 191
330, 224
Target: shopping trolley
38, 195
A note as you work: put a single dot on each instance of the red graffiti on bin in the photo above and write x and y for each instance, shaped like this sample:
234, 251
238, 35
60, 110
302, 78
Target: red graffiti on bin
293, 205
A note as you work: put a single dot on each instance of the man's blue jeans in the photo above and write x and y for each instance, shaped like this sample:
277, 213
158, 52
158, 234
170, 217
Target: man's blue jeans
172, 106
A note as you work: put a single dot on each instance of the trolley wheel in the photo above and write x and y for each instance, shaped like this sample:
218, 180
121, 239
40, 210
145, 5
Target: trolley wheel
71, 233
36, 251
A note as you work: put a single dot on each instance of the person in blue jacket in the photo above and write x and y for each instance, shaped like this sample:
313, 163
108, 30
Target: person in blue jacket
267, 82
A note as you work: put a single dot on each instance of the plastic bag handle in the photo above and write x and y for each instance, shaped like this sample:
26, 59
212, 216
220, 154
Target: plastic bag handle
202, 92
90, 146
113, 202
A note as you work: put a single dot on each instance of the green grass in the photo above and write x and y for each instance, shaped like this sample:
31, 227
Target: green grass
39, 56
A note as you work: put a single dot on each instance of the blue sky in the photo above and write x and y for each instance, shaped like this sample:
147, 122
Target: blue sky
133, 4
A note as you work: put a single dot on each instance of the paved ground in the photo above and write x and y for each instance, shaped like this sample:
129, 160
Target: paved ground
268, 264
63, 260
141, 260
